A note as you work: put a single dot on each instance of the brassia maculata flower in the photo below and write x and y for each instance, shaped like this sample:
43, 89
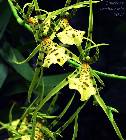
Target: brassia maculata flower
32, 21
56, 54
69, 35
82, 81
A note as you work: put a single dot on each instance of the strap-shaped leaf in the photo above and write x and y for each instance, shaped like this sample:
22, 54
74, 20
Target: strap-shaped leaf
29, 57
48, 133
53, 92
33, 83
63, 127
75, 128
82, 81
62, 113
109, 114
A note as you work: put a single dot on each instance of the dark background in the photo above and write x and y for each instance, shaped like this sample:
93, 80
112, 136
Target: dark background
109, 27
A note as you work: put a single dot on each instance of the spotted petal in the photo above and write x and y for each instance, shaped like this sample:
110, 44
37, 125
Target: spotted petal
56, 54
59, 55
82, 81
71, 36
48, 45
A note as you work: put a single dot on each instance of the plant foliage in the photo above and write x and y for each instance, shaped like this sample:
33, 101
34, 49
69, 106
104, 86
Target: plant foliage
52, 32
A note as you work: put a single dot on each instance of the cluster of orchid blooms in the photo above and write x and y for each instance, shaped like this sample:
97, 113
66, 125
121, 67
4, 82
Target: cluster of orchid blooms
82, 79
53, 32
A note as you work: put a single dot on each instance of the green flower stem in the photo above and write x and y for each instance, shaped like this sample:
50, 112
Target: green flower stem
113, 76
10, 113
62, 113
67, 3
51, 14
19, 20
109, 114
80, 49
90, 27
62, 128
75, 128
26, 112
33, 83
36, 4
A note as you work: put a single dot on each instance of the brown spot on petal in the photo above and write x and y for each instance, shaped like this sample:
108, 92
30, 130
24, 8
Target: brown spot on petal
70, 55
85, 84
73, 35
56, 53
66, 52
58, 60
94, 86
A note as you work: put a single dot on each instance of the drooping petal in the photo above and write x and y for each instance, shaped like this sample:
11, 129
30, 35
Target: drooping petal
82, 81
71, 36
56, 54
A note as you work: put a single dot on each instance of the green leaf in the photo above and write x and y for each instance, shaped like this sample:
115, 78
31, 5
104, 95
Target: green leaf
51, 81
33, 83
47, 132
17, 89
4, 17
70, 119
9, 54
3, 74
62, 113
75, 128
108, 112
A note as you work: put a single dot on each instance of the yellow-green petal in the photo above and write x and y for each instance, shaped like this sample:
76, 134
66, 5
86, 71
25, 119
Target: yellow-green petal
59, 55
71, 36
82, 82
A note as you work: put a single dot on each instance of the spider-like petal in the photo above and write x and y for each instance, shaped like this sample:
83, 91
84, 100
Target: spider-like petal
71, 36
56, 54
83, 82
59, 55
